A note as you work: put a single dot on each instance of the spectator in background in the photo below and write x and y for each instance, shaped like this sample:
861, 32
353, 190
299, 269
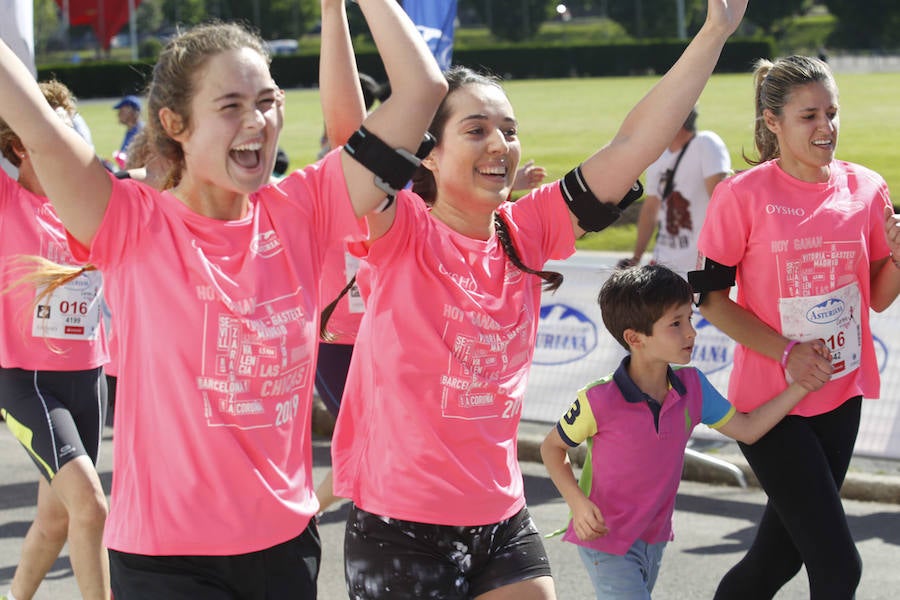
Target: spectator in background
679, 185
129, 114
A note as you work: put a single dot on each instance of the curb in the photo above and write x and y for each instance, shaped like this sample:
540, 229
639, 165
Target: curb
858, 485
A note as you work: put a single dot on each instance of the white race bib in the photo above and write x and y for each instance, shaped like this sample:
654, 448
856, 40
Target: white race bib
72, 312
351, 266
833, 318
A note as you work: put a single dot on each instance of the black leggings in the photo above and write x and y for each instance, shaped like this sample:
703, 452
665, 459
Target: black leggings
801, 464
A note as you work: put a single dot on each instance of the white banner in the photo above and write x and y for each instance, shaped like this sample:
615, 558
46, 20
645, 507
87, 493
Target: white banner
573, 348
17, 30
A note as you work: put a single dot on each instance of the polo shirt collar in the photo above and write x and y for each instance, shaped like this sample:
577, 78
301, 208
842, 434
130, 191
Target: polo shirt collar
632, 392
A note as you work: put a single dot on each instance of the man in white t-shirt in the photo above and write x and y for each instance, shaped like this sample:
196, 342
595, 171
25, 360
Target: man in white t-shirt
679, 185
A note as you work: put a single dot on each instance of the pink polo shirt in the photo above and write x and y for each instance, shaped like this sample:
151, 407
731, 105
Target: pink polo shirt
634, 465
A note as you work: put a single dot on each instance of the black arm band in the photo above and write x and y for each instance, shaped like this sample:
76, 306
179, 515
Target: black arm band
392, 167
592, 214
714, 277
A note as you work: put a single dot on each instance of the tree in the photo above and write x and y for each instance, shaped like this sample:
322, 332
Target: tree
184, 12
513, 20
46, 24
273, 18
149, 17
766, 14
657, 18
874, 24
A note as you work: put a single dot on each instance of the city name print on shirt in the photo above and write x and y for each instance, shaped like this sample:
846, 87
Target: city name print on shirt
484, 352
817, 301
254, 364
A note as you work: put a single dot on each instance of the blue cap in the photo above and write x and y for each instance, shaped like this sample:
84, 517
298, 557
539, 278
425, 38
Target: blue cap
132, 101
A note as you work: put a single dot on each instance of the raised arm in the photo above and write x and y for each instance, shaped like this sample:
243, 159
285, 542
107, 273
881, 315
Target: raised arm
654, 121
417, 87
343, 107
72, 177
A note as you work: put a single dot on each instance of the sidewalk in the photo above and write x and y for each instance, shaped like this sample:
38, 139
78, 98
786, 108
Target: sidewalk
869, 479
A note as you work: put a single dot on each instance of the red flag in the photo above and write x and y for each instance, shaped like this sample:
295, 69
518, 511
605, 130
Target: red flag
106, 17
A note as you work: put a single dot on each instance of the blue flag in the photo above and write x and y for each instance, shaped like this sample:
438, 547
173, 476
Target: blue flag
435, 19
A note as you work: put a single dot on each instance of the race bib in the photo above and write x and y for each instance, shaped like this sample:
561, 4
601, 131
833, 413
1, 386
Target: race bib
351, 266
833, 318
72, 312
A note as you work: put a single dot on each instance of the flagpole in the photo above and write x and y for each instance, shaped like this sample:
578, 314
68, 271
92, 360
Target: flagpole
132, 27
66, 23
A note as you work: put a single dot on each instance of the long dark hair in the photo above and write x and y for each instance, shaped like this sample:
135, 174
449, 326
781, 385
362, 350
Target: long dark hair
424, 185
552, 279
423, 179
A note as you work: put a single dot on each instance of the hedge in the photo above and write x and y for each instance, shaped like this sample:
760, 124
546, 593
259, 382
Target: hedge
111, 79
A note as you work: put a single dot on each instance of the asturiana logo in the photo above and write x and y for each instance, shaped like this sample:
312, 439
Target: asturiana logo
713, 350
565, 334
826, 312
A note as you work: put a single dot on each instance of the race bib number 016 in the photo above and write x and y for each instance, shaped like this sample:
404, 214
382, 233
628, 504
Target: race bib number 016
72, 312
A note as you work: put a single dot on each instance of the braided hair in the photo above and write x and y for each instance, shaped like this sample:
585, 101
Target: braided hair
324, 334
552, 279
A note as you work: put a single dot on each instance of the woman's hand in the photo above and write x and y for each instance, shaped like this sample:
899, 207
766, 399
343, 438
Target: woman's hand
725, 14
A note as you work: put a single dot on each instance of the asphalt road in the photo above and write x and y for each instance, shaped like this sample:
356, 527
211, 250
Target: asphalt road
713, 526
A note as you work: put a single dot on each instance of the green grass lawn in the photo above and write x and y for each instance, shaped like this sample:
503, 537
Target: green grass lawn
563, 121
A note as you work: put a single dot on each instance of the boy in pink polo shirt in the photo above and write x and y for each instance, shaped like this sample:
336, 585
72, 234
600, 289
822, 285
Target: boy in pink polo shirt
637, 422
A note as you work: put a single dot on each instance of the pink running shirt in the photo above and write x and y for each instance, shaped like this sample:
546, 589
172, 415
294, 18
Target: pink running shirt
803, 252
340, 267
64, 333
217, 325
427, 427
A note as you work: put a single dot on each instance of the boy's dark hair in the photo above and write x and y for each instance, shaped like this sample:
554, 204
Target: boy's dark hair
636, 298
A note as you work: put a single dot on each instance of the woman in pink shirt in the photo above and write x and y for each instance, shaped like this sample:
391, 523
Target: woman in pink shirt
215, 288
52, 391
425, 443
803, 235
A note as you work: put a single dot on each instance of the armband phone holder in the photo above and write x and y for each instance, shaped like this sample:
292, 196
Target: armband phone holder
392, 167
